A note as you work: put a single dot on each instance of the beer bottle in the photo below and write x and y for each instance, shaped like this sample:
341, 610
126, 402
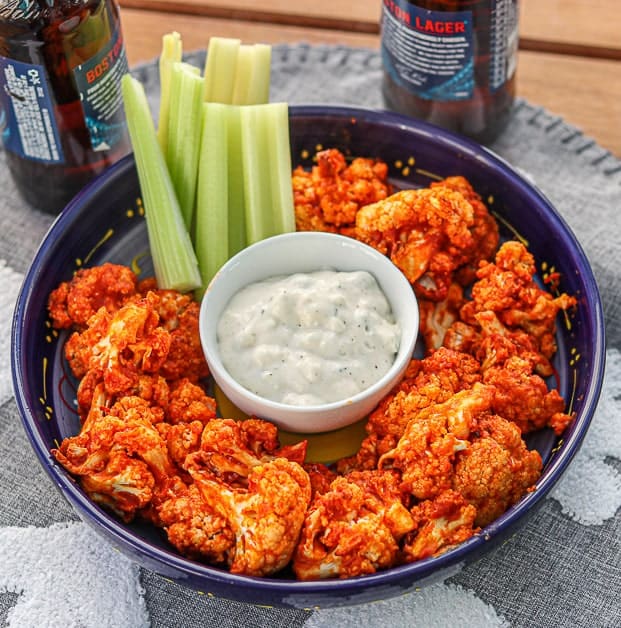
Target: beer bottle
451, 62
61, 111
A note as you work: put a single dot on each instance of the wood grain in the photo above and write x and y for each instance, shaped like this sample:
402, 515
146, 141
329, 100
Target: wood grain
361, 17
569, 26
572, 26
586, 92
143, 32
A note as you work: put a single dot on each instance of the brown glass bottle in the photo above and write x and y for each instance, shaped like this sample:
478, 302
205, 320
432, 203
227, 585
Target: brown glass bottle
451, 62
61, 112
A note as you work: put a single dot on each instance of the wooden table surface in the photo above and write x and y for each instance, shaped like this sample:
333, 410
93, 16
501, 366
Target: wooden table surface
569, 59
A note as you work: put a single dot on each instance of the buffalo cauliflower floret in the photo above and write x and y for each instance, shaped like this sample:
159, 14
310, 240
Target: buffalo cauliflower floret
132, 344
328, 197
495, 344
496, 470
439, 524
181, 439
425, 233
140, 438
266, 517
124, 486
79, 346
507, 288
73, 302
178, 315
510, 361
152, 388
224, 451
231, 449
431, 380
426, 452
195, 528
492, 343
354, 528
524, 398
484, 229
189, 402
118, 456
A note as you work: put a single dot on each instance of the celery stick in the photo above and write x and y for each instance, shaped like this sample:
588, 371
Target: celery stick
280, 167
259, 85
255, 159
172, 49
184, 125
243, 74
174, 260
252, 75
237, 204
211, 234
220, 68
267, 170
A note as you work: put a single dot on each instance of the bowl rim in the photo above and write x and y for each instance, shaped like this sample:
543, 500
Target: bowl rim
409, 573
403, 355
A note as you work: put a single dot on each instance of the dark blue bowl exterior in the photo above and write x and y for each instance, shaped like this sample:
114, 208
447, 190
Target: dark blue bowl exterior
104, 222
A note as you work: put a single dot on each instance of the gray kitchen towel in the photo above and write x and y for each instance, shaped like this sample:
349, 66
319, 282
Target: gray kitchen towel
562, 568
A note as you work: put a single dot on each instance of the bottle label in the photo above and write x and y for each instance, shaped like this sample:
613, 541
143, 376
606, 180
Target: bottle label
430, 53
98, 81
26, 113
27, 121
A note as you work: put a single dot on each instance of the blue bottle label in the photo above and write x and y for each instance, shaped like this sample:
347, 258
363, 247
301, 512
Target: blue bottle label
98, 81
27, 118
430, 53
27, 121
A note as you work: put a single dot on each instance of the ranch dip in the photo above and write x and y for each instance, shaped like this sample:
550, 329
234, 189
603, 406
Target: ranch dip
309, 338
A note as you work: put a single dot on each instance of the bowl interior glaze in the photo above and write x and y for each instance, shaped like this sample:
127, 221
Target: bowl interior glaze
105, 223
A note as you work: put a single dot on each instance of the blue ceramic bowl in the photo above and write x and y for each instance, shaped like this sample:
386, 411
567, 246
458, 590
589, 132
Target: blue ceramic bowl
105, 223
